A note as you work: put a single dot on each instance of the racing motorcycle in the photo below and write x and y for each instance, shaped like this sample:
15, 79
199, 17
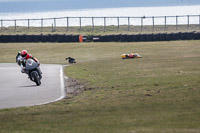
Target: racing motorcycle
32, 69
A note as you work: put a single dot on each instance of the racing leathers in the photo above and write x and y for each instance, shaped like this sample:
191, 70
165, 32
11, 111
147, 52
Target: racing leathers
22, 62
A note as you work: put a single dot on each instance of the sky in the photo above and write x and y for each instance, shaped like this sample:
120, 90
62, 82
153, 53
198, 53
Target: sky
55, 5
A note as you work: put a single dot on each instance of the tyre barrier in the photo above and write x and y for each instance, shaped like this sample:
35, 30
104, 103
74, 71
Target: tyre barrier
68, 38
129, 38
169, 37
29, 38
176, 36
45, 38
136, 38
117, 38
123, 38
94, 38
88, 38
21, 38
102, 38
13, 38
163, 37
61, 38
143, 38
5, 38
190, 36
183, 36
149, 37
52, 38
156, 37
75, 38
109, 38
197, 36
38, 38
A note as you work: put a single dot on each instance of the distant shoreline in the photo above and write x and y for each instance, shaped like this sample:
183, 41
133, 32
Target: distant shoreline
97, 17
87, 8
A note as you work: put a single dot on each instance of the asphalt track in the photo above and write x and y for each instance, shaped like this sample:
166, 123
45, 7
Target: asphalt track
17, 90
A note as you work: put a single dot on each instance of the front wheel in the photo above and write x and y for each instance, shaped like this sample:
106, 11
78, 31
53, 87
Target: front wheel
36, 78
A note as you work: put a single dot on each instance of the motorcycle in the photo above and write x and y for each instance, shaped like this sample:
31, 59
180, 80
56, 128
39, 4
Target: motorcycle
32, 69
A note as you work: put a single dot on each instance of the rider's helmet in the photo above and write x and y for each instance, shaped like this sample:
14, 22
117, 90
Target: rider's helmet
24, 53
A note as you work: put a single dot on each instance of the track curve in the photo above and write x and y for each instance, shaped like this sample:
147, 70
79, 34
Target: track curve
17, 90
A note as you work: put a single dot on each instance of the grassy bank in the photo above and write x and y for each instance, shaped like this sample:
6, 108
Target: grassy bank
100, 30
158, 93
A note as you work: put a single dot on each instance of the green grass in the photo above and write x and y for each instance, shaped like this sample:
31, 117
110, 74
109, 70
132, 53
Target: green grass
101, 30
157, 93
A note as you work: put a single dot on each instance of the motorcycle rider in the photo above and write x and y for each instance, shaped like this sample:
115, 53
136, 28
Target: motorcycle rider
21, 59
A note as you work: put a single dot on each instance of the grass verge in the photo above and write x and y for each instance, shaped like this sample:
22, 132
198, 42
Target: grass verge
100, 30
158, 93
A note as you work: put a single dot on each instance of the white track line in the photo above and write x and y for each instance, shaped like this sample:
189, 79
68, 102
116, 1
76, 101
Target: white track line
62, 88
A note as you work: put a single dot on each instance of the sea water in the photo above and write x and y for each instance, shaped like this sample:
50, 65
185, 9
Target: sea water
47, 17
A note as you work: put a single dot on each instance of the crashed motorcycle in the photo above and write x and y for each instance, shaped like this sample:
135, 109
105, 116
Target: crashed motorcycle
32, 69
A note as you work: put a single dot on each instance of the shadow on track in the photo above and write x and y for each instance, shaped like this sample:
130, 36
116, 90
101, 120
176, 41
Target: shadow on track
29, 86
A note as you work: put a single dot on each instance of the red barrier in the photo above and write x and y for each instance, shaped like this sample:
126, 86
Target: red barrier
80, 38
